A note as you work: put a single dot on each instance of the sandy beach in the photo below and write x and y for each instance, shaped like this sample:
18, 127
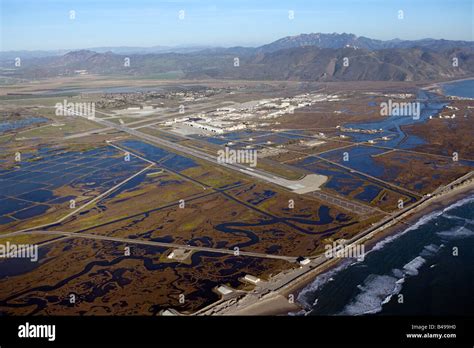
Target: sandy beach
280, 302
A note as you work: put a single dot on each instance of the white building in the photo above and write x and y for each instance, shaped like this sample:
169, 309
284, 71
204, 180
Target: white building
304, 261
204, 127
251, 279
224, 290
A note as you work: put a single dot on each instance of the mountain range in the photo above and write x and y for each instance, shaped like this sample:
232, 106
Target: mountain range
305, 57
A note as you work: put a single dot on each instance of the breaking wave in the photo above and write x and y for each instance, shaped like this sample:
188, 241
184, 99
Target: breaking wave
412, 267
456, 233
430, 250
320, 280
421, 222
378, 290
424, 220
462, 219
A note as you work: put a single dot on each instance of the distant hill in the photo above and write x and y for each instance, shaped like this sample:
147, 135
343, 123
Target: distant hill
322, 41
350, 40
327, 64
305, 57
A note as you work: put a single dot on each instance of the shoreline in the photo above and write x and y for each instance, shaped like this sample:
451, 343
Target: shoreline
273, 299
436, 87
276, 302
438, 203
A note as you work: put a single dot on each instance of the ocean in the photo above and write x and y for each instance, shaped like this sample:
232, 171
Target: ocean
463, 88
426, 269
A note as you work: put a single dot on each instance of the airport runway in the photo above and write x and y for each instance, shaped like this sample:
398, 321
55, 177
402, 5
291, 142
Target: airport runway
256, 173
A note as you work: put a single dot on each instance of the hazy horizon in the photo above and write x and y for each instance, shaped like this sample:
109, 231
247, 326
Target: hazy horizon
50, 25
191, 45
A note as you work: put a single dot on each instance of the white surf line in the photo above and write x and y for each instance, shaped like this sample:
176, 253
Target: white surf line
85, 205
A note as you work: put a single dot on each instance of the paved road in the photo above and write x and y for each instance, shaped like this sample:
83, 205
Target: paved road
256, 173
87, 133
159, 244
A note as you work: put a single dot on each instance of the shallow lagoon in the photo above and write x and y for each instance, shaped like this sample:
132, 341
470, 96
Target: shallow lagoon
391, 125
17, 124
157, 154
28, 191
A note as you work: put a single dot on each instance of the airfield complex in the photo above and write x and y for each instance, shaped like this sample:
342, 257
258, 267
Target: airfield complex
134, 214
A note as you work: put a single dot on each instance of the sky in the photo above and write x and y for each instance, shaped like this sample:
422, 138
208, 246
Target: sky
47, 24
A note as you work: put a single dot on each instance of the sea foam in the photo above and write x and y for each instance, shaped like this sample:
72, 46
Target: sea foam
456, 233
377, 290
